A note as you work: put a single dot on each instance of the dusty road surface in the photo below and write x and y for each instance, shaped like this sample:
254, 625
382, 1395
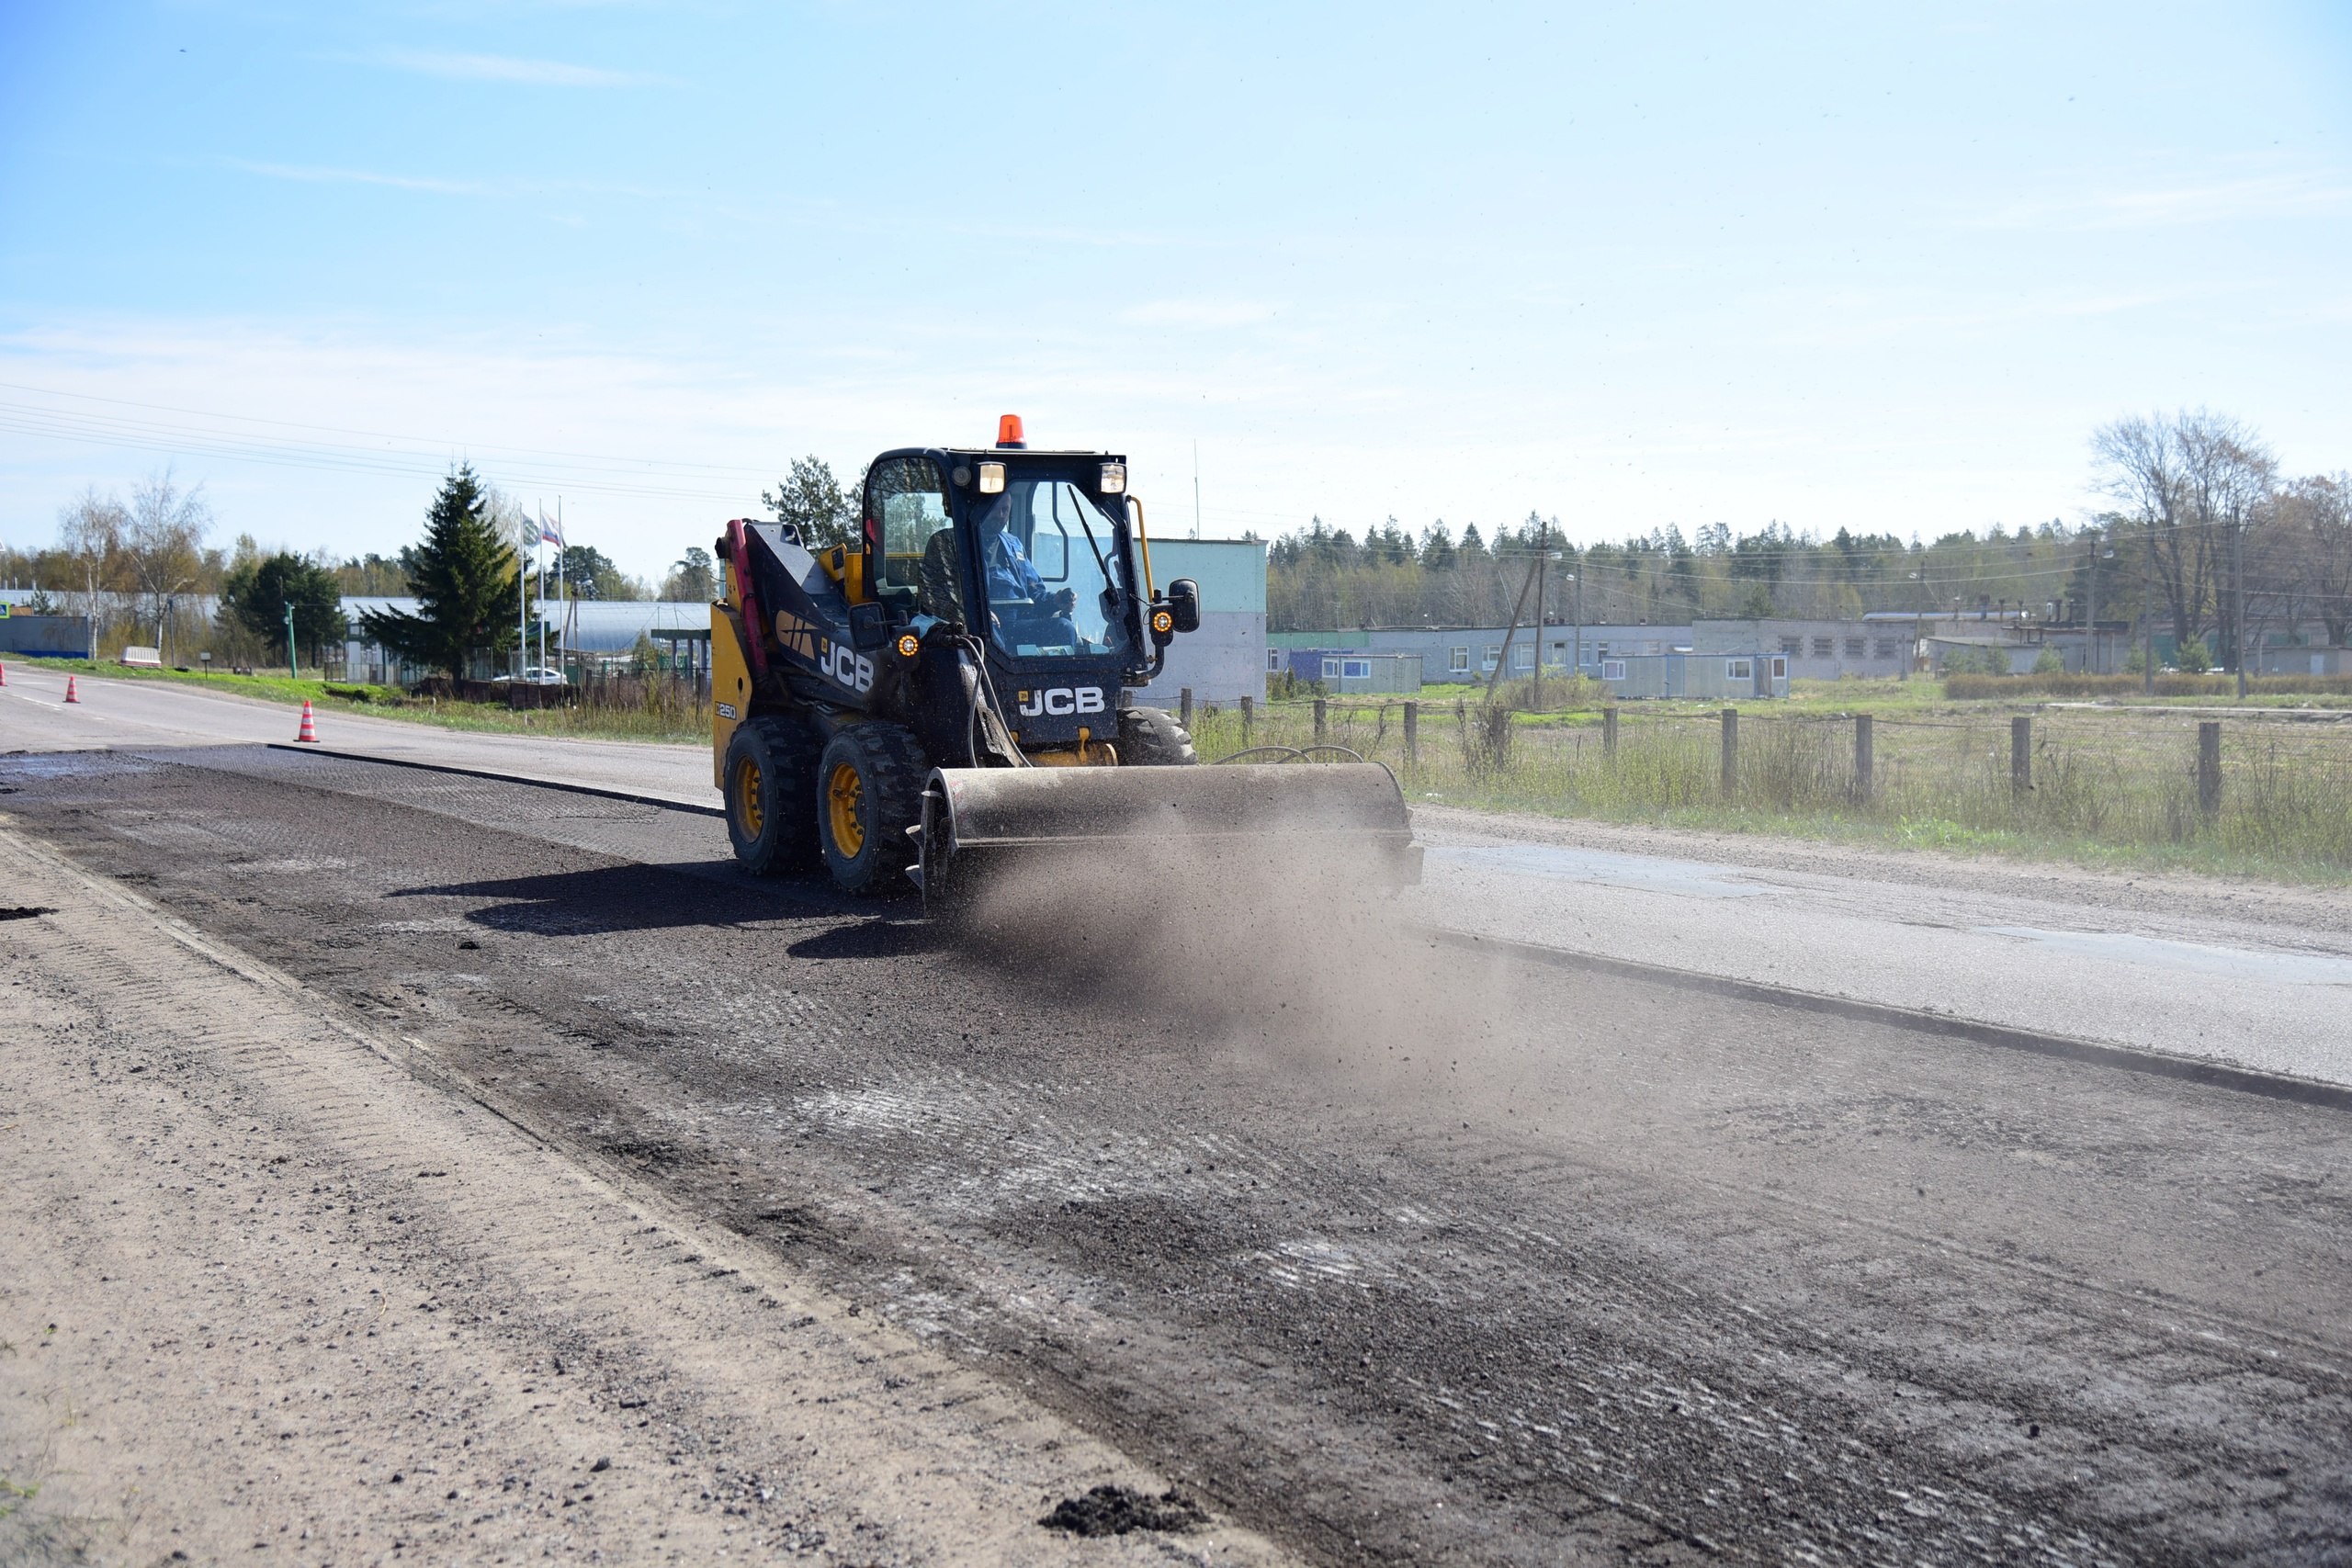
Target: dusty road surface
1392, 1252
2193, 968
277, 1288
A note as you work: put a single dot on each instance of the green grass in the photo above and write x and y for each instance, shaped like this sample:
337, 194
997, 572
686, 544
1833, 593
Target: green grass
2112, 787
657, 717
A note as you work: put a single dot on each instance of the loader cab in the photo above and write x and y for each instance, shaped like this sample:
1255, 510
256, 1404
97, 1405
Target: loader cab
1034, 552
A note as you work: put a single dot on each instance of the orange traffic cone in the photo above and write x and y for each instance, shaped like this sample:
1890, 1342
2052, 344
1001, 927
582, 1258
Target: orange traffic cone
69, 690
3, 674
310, 731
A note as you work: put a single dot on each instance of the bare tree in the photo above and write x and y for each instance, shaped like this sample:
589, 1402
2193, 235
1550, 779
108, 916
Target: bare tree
162, 539
2227, 476
2307, 540
2193, 484
90, 532
2139, 463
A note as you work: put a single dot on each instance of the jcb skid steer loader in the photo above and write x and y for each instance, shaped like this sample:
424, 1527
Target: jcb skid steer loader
949, 693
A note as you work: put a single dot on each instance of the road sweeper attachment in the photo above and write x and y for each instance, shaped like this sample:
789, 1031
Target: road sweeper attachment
950, 691
979, 824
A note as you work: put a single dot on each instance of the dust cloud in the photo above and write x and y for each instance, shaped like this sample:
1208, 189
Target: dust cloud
1287, 947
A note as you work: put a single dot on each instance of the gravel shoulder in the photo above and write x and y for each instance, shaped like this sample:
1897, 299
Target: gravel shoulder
280, 1289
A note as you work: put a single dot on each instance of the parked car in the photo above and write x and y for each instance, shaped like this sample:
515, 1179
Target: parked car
535, 676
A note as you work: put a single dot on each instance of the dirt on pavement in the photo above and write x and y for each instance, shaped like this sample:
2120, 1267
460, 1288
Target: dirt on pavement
279, 1288
1614, 1273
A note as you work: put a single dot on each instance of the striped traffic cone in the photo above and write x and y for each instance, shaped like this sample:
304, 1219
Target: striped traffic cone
310, 731
69, 690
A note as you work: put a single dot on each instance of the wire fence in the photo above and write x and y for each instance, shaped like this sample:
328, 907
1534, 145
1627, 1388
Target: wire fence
2274, 790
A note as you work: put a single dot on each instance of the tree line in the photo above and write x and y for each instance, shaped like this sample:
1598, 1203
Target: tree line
2199, 510
139, 566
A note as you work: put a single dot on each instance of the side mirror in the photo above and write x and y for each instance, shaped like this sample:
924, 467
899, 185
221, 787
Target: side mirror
1185, 603
869, 626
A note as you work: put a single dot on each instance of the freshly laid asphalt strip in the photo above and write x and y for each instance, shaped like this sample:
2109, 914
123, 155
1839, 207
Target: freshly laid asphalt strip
1558, 1265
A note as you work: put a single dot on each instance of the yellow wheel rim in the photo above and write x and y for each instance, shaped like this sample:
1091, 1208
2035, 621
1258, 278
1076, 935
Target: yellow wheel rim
751, 810
844, 795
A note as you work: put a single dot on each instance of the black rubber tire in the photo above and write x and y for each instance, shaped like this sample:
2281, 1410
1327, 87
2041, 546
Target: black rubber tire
1150, 738
891, 768
782, 756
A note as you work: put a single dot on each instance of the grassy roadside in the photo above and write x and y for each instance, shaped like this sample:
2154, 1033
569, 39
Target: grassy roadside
2112, 787
2114, 782
680, 724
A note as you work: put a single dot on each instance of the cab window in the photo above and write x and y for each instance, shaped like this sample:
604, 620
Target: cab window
919, 570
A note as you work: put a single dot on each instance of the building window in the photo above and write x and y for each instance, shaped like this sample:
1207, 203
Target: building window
1458, 659
1612, 669
1273, 660
1854, 647
1883, 648
1781, 669
1739, 669
1522, 656
1331, 669
1559, 653
1793, 644
1356, 670
1825, 647
1494, 656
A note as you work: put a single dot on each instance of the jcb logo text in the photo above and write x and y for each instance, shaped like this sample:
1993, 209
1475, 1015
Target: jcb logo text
846, 665
1061, 700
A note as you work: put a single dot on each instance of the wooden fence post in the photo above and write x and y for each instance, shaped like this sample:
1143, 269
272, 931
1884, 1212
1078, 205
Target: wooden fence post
2020, 756
1609, 732
1863, 759
1184, 706
1731, 753
1320, 727
1249, 709
1412, 736
2209, 770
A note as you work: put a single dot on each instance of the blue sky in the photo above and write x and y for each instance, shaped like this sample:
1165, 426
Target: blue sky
1878, 267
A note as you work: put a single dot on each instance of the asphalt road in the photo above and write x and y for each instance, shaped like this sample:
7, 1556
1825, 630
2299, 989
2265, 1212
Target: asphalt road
2185, 966
1397, 1253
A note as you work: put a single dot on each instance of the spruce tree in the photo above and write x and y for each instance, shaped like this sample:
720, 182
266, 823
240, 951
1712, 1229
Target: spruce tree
465, 579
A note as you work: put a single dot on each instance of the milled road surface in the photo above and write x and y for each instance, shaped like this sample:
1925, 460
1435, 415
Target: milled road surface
1393, 1253
277, 1288
2196, 967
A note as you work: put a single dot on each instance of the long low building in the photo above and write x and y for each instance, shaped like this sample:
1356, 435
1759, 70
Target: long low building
1455, 654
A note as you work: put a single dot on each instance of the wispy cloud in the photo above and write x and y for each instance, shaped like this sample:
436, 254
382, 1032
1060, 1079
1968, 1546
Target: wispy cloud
311, 175
2216, 201
503, 68
1197, 313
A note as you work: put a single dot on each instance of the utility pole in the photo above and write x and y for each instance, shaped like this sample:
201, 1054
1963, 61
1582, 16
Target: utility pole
2239, 572
1576, 644
2090, 623
1196, 490
293, 671
1542, 559
2148, 614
